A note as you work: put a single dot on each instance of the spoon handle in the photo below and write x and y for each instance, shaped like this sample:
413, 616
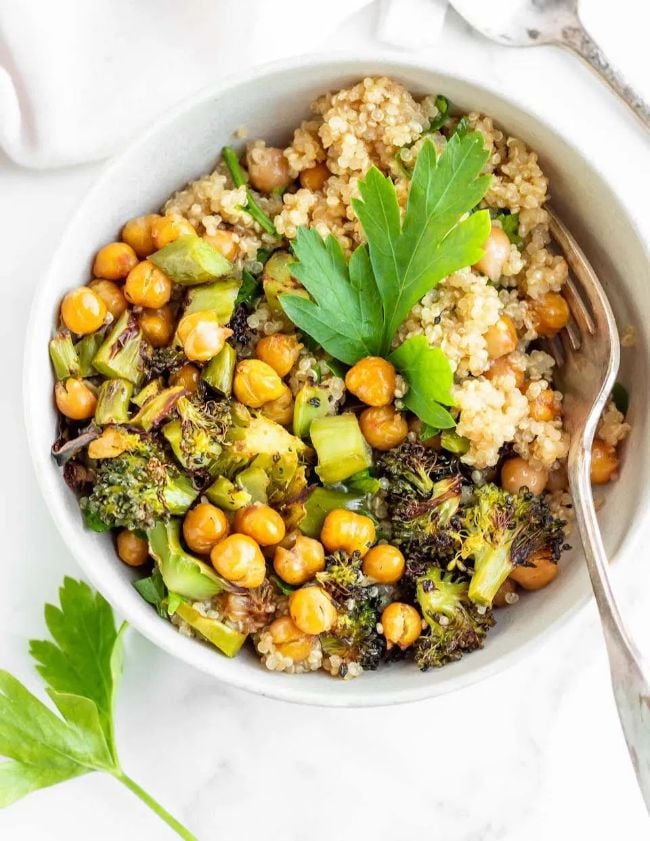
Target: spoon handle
576, 38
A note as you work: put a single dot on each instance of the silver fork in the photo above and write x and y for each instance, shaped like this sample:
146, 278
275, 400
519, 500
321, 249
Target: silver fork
587, 355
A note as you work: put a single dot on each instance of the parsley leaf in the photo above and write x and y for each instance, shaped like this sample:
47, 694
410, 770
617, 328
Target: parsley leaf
510, 224
430, 378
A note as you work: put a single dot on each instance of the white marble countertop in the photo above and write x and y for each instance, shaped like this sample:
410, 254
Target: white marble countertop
535, 752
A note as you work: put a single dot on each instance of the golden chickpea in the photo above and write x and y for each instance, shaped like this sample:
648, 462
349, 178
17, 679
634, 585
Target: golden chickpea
372, 380
268, 169
497, 251
261, 523
201, 335
383, 427
516, 473
504, 595
348, 531
501, 338
542, 405
83, 311
240, 560
312, 610
542, 572
111, 294
315, 176
503, 367
558, 479
166, 229
111, 443
280, 410
147, 286
401, 624
224, 242
384, 564
203, 527
137, 233
279, 351
188, 376
75, 399
301, 562
256, 383
289, 640
131, 549
158, 325
114, 261
415, 425
550, 313
604, 462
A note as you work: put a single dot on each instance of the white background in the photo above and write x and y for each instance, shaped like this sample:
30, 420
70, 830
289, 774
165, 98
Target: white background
533, 753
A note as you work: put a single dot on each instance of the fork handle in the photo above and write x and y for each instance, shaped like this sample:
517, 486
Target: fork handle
629, 674
576, 38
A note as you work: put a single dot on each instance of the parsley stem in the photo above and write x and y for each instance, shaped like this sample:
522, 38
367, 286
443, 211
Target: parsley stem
162, 813
252, 208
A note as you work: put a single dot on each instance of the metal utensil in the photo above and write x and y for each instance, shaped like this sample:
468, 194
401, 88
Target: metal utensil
587, 355
528, 23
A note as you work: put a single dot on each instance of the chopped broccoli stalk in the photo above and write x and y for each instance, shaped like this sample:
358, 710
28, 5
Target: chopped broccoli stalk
252, 208
222, 636
363, 482
454, 443
312, 402
220, 370
190, 260
318, 505
455, 624
113, 402
341, 448
227, 495
218, 297
255, 481
65, 359
197, 434
86, 349
150, 390
121, 355
182, 573
277, 280
155, 410
179, 494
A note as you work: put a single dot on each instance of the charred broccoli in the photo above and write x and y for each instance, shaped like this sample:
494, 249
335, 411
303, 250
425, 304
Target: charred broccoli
197, 435
455, 625
501, 531
342, 576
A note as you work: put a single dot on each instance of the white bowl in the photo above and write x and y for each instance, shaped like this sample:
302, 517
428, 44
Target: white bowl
185, 144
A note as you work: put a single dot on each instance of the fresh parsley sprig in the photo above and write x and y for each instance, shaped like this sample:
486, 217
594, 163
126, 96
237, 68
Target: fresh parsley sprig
81, 667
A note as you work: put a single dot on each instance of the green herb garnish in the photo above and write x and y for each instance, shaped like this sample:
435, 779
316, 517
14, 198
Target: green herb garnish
442, 104
430, 378
510, 224
251, 207
249, 290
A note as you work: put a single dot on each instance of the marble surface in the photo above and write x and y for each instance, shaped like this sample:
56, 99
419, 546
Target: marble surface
535, 752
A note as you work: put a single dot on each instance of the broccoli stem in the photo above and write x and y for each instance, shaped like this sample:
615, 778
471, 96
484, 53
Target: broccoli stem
237, 174
491, 568
86, 349
340, 446
220, 370
65, 360
113, 402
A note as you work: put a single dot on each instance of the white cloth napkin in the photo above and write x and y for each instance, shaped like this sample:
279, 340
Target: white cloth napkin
78, 78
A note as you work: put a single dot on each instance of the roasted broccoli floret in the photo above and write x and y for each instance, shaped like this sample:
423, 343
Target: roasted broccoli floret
501, 531
164, 360
455, 625
197, 435
342, 576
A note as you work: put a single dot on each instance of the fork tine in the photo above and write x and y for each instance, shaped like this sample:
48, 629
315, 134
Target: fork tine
579, 311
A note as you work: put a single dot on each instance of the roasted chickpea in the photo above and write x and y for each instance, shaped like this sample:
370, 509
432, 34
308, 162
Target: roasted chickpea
503, 367
224, 242
401, 625
240, 560
137, 233
111, 443
166, 229
558, 479
314, 177
372, 380
203, 527
201, 335
604, 462
312, 610
158, 325
289, 640
506, 594
268, 169
497, 251
384, 564
256, 383
415, 425
75, 399
188, 376
550, 313
302, 561
280, 410
114, 261
279, 351
516, 473
501, 338
131, 549
347, 531
111, 294
542, 404
261, 523
83, 310
147, 286
542, 572
383, 427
